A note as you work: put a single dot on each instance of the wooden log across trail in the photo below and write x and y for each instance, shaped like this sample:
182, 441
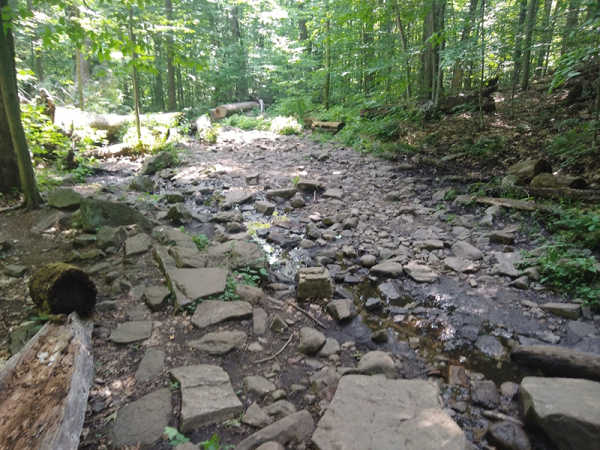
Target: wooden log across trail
558, 361
223, 111
327, 126
44, 389
60, 288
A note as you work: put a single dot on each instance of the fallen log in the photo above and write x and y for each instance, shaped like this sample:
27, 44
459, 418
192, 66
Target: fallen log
580, 195
516, 204
558, 361
327, 126
60, 288
222, 111
44, 389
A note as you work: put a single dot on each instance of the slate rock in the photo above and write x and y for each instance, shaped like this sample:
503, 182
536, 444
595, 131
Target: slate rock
151, 365
568, 310
266, 208
333, 193
142, 183
286, 193
490, 346
220, 343
314, 283
464, 250
402, 414
342, 310
258, 385
373, 304
128, 332
280, 409
97, 213
190, 285
210, 312
179, 213
309, 185
14, 270
331, 347
250, 294
188, 257
64, 198
388, 269
237, 255
508, 435
293, 429
259, 321
135, 245
376, 362
237, 198
368, 261
157, 162
143, 421
256, 417
421, 273
310, 341
485, 393
502, 237
110, 237
565, 408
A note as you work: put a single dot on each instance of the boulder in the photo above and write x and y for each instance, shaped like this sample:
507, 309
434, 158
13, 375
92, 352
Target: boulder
157, 162
64, 198
238, 255
97, 213
528, 169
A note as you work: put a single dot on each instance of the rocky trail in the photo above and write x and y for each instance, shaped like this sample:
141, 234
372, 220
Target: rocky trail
347, 303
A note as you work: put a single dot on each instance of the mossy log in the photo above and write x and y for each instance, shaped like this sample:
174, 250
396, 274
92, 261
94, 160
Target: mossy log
327, 126
60, 288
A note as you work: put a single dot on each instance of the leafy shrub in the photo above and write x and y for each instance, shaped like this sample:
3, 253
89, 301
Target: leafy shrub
245, 122
486, 148
285, 126
582, 228
572, 145
45, 140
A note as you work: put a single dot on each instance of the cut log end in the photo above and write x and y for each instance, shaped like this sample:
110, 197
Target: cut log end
60, 288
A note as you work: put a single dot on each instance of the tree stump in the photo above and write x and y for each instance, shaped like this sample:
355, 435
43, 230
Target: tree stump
60, 288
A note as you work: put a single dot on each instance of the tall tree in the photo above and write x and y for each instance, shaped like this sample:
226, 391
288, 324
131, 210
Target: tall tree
527, 43
172, 101
12, 111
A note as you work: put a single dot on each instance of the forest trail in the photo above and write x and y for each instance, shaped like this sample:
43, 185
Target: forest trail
426, 290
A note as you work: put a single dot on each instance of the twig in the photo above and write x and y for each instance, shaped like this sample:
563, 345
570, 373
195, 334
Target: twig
307, 314
276, 354
499, 416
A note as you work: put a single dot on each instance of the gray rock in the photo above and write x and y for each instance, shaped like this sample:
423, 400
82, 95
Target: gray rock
368, 261
98, 213
376, 362
138, 312
331, 347
22, 335
314, 283
266, 208
298, 201
252, 179
173, 197
335, 194
190, 285
513, 180
142, 183
238, 255
227, 216
84, 240
259, 321
373, 304
140, 243
293, 429
388, 269
460, 265
568, 310
581, 329
589, 345
390, 291
403, 414
505, 268
309, 185
278, 324
464, 250
250, 294
502, 237
210, 312
220, 343
237, 198
420, 272
188, 257
342, 310
64, 198
485, 393
565, 408
509, 389
14, 270
429, 244
280, 409
151, 365
173, 236
312, 231
258, 385
520, 283
508, 436
143, 422
490, 346
286, 193
256, 417
156, 297
128, 332
206, 396
157, 162
179, 213
310, 341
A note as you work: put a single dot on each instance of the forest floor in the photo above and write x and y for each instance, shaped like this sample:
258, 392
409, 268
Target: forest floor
429, 326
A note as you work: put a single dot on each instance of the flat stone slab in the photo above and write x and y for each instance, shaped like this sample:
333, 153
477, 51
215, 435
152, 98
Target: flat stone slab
387, 269
567, 409
191, 285
140, 243
151, 365
336, 194
131, 332
378, 413
210, 312
220, 343
421, 273
465, 250
143, 421
294, 428
568, 310
207, 396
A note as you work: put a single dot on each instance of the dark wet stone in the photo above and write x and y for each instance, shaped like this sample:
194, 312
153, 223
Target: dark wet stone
373, 304
508, 436
490, 345
390, 291
15, 271
485, 393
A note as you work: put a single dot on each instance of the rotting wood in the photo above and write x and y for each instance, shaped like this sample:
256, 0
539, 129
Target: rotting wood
60, 288
516, 204
327, 126
268, 358
307, 314
558, 361
44, 389
581, 195
222, 111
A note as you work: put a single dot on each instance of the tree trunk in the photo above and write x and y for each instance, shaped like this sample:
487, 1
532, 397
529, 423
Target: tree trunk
327, 83
532, 10
9, 168
10, 99
227, 110
570, 26
458, 70
170, 69
518, 62
404, 43
134, 79
39, 67
546, 38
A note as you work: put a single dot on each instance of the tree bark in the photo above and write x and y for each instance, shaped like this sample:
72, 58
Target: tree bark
9, 168
12, 109
328, 126
458, 70
170, 69
517, 58
531, 12
134, 79
227, 110
327, 82
404, 43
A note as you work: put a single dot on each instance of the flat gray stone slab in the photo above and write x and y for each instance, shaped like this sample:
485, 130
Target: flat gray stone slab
294, 428
567, 409
151, 365
421, 273
210, 312
191, 285
135, 245
378, 413
387, 269
336, 194
206, 396
131, 332
464, 250
143, 421
220, 343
